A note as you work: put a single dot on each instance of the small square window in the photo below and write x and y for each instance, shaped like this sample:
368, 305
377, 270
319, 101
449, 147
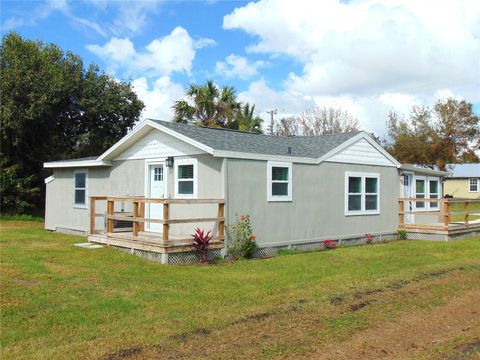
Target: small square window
279, 176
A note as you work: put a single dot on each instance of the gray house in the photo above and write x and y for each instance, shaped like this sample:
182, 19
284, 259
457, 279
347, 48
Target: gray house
298, 191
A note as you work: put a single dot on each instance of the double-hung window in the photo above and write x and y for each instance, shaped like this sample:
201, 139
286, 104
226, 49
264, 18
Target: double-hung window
279, 181
473, 185
186, 178
362, 194
80, 188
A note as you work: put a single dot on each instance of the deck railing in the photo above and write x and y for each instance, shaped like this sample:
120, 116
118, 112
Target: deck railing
138, 219
449, 213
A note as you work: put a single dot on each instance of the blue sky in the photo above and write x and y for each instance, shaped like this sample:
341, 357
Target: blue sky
367, 57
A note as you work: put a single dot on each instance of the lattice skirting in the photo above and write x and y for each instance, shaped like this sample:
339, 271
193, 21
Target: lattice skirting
187, 257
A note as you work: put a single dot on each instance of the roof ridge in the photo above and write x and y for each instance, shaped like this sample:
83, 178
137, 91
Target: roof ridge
260, 134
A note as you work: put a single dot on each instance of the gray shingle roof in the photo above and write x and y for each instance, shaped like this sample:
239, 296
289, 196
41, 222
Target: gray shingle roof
464, 170
232, 140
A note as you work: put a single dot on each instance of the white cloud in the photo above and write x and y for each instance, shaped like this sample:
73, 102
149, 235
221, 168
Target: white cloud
116, 49
159, 97
204, 42
238, 66
371, 55
133, 16
172, 53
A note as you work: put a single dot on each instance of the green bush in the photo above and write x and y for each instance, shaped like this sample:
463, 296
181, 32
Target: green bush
241, 240
402, 234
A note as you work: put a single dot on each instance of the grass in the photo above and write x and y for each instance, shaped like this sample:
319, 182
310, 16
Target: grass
59, 301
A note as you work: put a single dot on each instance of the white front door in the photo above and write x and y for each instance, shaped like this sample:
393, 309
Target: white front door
408, 193
157, 190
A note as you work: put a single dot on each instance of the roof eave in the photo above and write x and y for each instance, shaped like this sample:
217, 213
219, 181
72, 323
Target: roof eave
75, 164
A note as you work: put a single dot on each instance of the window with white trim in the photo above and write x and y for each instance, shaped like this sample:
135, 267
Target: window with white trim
186, 178
362, 193
434, 193
420, 192
279, 181
80, 188
473, 185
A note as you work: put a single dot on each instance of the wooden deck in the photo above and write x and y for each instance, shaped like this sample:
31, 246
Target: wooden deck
446, 225
136, 237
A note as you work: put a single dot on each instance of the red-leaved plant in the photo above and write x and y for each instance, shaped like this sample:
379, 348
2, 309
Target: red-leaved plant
201, 239
369, 238
329, 244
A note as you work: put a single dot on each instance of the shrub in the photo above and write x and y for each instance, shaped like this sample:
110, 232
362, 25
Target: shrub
329, 244
241, 240
402, 234
201, 241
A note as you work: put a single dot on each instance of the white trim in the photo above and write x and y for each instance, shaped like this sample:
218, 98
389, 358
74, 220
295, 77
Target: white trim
438, 193
270, 197
425, 193
353, 140
75, 163
49, 179
193, 162
264, 157
75, 205
148, 163
362, 193
470, 186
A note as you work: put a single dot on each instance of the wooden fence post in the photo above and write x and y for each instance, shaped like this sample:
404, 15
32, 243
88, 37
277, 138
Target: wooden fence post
465, 208
142, 215
401, 214
446, 213
135, 216
110, 210
166, 226
92, 215
221, 223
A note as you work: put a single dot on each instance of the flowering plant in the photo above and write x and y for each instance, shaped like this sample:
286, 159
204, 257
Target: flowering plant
329, 244
201, 240
369, 238
241, 240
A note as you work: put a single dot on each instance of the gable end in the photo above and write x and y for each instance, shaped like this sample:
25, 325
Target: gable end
361, 152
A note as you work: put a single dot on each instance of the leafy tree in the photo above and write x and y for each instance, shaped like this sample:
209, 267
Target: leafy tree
246, 120
208, 105
51, 109
447, 133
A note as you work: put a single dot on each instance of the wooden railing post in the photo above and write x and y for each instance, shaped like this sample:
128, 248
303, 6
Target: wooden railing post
110, 210
221, 223
142, 215
92, 215
465, 208
446, 213
401, 213
166, 216
135, 216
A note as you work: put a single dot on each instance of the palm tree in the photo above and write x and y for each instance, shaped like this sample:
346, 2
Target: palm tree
247, 121
207, 105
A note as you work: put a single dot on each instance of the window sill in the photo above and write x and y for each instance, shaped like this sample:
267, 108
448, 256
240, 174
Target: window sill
80, 206
280, 199
363, 213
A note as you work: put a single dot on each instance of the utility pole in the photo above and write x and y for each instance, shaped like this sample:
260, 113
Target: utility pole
272, 121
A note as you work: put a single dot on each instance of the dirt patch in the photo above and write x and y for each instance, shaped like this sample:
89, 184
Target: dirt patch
125, 353
413, 333
360, 305
469, 350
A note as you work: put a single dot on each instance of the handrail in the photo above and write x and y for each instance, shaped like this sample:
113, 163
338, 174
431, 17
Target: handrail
138, 218
444, 208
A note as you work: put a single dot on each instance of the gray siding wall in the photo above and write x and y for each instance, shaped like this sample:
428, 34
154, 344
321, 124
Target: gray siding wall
127, 178
317, 209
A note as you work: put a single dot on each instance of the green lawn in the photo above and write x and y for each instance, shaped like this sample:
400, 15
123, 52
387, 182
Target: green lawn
59, 301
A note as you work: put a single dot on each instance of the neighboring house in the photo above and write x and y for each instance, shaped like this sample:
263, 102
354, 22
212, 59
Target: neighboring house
297, 190
463, 181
